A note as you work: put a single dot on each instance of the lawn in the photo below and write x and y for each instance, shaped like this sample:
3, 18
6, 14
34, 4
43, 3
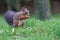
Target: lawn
33, 29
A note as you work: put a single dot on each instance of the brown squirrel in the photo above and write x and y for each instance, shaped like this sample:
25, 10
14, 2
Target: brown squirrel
16, 19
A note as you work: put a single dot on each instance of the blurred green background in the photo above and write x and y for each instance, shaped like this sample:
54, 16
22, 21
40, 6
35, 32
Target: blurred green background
44, 23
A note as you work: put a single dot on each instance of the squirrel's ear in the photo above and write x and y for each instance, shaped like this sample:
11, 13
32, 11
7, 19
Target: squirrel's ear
23, 9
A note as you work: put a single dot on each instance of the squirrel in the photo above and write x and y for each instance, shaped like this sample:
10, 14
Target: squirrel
16, 19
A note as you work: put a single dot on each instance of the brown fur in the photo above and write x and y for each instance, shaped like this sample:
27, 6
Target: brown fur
20, 16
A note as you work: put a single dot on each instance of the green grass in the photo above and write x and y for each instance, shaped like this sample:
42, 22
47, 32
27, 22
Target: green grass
33, 29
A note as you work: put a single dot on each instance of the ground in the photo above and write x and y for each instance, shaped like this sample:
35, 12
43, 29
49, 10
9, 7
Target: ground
33, 29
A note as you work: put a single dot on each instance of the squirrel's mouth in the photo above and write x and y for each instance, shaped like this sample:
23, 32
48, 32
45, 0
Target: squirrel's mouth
24, 17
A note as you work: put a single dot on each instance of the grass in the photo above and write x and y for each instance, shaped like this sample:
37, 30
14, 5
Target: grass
33, 29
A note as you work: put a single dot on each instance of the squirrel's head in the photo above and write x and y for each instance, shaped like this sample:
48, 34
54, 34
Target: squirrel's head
25, 13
